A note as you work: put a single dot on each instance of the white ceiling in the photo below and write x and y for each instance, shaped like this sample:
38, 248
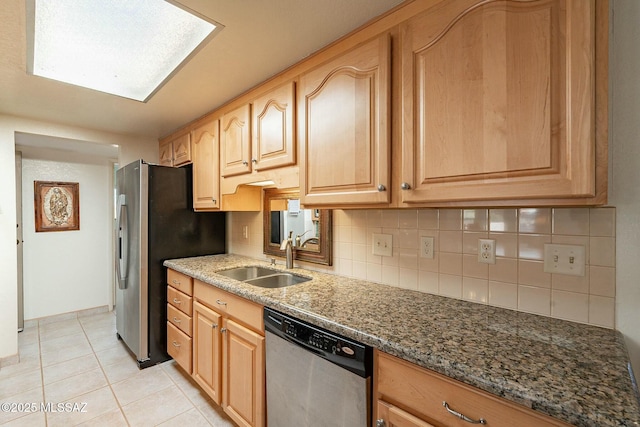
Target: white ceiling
260, 38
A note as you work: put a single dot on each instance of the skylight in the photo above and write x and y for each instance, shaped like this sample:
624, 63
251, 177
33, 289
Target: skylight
128, 48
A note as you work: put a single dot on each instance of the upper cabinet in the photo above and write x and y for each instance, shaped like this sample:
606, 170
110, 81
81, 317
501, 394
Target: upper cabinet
206, 167
175, 152
343, 124
235, 148
498, 101
273, 137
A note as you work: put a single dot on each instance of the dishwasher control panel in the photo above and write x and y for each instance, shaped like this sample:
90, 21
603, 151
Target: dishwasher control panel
343, 351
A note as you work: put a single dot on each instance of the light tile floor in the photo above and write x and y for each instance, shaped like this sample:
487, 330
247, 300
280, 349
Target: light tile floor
76, 359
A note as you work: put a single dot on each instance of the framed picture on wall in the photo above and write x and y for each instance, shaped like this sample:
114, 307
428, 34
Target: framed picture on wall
57, 206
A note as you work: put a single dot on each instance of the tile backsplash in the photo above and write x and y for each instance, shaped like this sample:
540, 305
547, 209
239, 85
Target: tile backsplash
516, 281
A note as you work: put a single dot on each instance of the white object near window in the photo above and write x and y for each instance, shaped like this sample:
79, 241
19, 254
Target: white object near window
126, 48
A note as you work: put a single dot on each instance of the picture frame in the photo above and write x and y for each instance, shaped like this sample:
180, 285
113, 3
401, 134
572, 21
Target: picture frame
57, 206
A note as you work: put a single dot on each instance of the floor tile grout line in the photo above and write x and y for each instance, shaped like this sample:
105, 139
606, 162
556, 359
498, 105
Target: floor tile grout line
185, 395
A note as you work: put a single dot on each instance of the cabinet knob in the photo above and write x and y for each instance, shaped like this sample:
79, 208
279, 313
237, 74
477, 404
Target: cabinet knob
223, 330
382, 187
214, 200
380, 423
254, 161
214, 325
244, 162
405, 186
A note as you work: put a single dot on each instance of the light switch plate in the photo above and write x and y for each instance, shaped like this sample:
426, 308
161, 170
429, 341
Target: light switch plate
382, 244
564, 259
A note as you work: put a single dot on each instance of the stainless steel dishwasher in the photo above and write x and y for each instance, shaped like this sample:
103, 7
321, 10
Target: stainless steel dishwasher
315, 377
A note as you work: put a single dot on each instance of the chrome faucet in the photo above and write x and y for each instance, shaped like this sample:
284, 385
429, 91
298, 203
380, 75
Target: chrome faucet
287, 247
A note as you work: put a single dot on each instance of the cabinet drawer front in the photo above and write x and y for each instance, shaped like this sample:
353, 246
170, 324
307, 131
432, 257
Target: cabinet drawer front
179, 300
422, 393
179, 347
180, 281
243, 310
179, 319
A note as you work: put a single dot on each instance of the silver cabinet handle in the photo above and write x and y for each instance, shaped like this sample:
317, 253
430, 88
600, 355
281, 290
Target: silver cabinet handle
380, 423
221, 302
405, 186
223, 330
176, 345
214, 325
254, 161
382, 187
244, 162
461, 416
214, 200
176, 282
177, 301
176, 320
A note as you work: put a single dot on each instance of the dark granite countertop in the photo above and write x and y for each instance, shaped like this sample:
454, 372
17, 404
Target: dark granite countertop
577, 373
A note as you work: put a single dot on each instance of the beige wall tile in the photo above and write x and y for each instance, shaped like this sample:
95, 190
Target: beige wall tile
503, 294
408, 278
341, 217
428, 218
602, 251
506, 244
536, 300
390, 218
475, 219
393, 259
570, 306
534, 220
470, 241
428, 282
602, 222
408, 238
359, 252
408, 258
503, 220
374, 218
565, 282
359, 270
359, 235
358, 217
472, 268
390, 275
408, 218
450, 241
475, 289
602, 311
531, 246
571, 221
450, 263
504, 270
343, 250
532, 273
429, 264
450, 219
450, 286
374, 272
602, 281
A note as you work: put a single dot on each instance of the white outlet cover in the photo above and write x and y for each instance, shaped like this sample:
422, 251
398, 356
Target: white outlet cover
486, 251
564, 259
426, 247
382, 244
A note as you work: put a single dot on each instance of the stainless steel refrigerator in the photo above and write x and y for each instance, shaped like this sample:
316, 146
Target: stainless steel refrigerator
155, 222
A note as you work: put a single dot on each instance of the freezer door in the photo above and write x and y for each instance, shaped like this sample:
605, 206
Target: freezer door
131, 266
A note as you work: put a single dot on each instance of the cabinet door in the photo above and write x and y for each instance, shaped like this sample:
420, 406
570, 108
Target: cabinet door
235, 153
206, 168
206, 350
166, 153
181, 150
498, 101
391, 416
344, 128
273, 137
243, 375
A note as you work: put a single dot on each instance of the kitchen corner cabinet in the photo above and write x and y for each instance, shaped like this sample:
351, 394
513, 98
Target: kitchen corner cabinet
498, 101
228, 353
235, 142
344, 130
206, 167
175, 152
273, 129
407, 395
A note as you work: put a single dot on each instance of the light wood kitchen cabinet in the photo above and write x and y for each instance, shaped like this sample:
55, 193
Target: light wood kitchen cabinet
498, 101
228, 353
179, 316
344, 129
235, 142
206, 167
408, 395
273, 129
175, 152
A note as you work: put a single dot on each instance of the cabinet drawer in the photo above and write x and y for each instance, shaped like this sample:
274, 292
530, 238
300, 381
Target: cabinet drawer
180, 281
179, 347
179, 319
243, 310
179, 300
422, 392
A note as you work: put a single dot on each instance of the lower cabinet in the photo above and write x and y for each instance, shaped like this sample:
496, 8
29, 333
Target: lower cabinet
228, 353
407, 395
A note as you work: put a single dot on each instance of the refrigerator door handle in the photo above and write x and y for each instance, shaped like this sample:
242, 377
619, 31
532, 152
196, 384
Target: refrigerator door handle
122, 254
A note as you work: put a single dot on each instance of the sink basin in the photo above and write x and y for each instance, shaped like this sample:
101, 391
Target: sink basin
278, 280
247, 273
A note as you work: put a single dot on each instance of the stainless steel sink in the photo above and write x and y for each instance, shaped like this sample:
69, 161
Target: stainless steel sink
263, 277
279, 280
247, 273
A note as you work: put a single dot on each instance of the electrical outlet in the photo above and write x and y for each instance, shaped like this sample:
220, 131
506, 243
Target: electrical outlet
382, 244
426, 247
564, 259
487, 251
